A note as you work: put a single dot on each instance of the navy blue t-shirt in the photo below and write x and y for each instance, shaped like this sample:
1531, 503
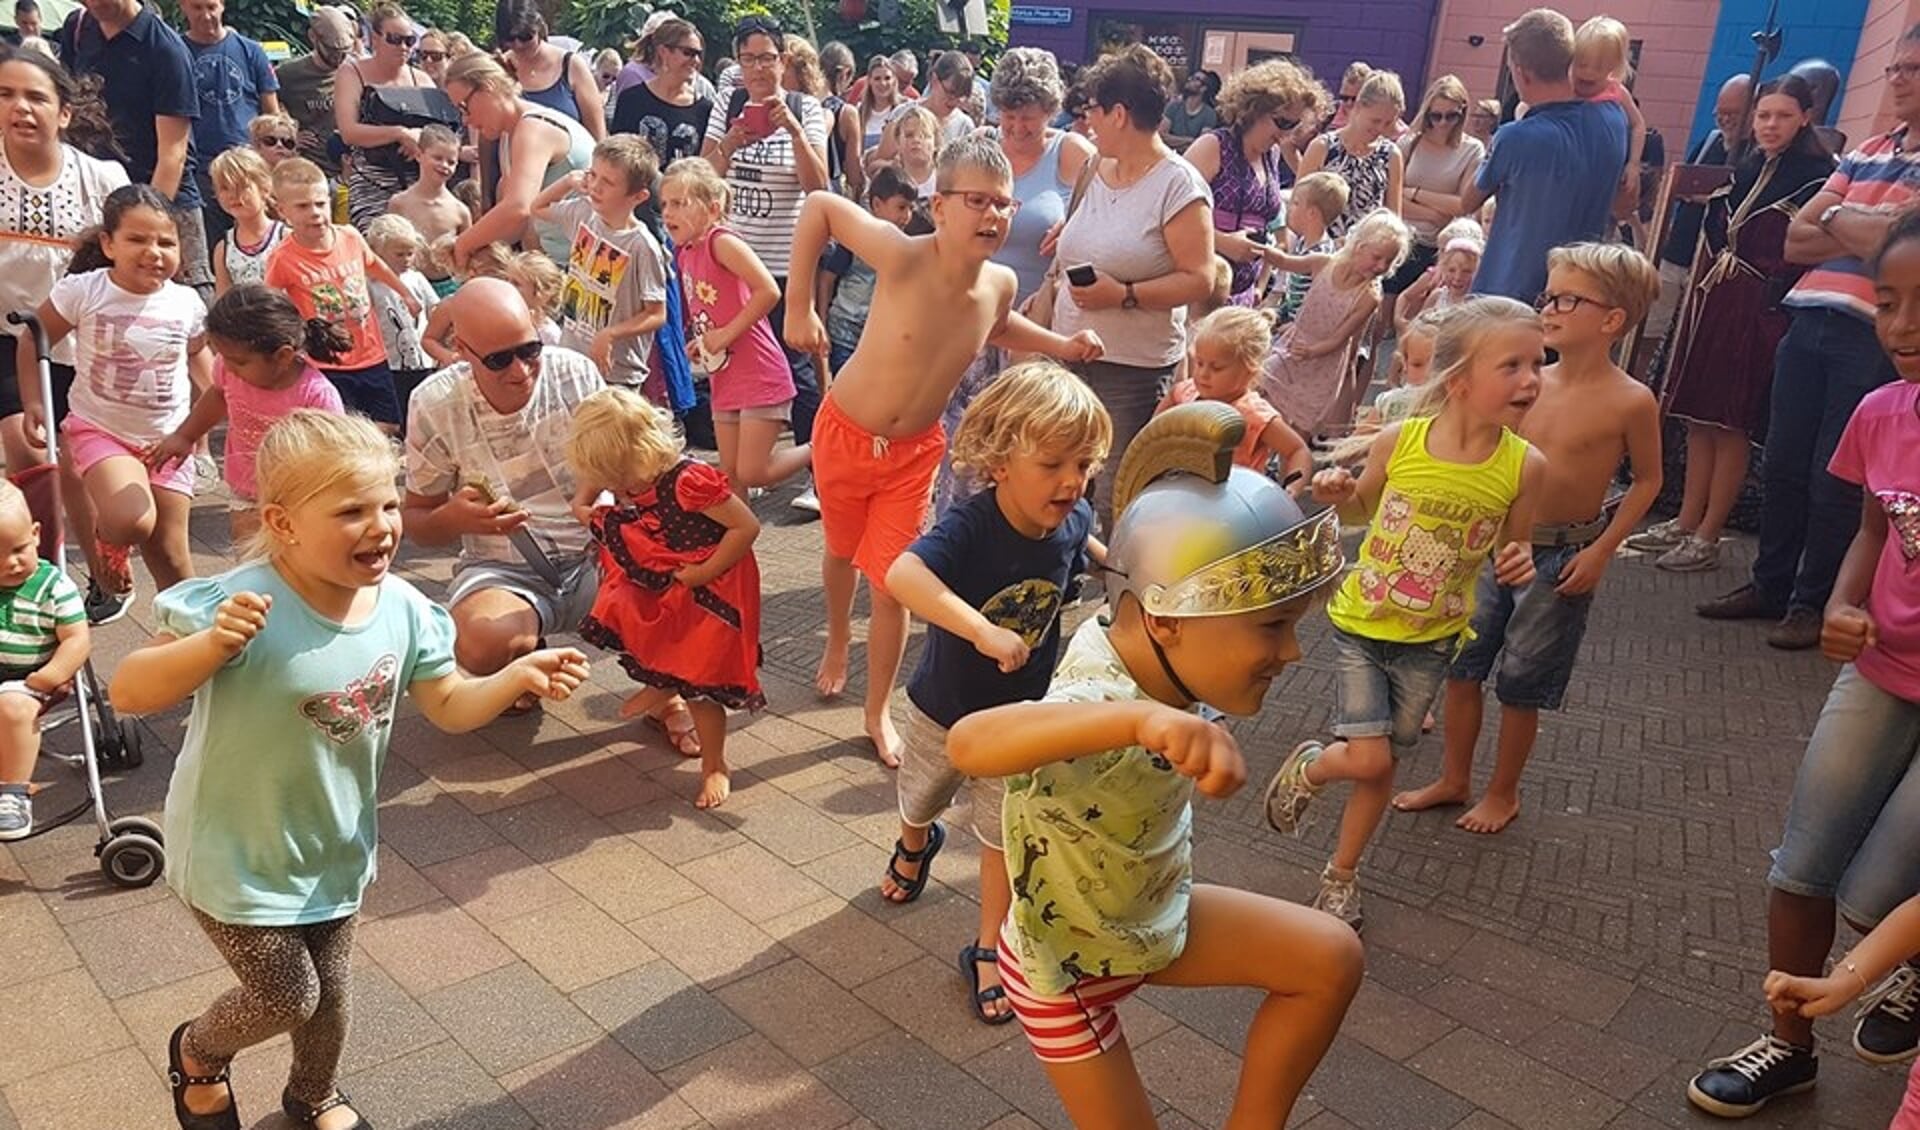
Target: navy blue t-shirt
1553, 175
1017, 582
229, 77
145, 72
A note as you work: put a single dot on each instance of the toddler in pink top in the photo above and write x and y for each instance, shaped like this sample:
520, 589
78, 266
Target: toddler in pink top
1229, 348
264, 372
1600, 63
729, 293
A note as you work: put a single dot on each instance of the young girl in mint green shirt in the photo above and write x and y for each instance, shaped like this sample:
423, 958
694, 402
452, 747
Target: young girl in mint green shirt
295, 662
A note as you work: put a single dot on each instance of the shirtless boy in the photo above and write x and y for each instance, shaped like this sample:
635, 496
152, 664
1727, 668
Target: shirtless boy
432, 208
1588, 415
878, 440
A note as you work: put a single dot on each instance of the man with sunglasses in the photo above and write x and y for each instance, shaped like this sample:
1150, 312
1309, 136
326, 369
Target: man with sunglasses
486, 466
236, 84
306, 83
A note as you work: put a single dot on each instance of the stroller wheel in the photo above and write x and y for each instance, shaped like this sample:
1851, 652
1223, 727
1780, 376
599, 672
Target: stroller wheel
137, 824
132, 860
130, 754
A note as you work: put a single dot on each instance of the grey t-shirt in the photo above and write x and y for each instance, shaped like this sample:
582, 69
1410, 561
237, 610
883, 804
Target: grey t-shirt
1122, 233
611, 274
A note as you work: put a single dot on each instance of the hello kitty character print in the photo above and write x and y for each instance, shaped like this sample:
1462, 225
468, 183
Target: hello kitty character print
1880, 451
752, 372
1436, 525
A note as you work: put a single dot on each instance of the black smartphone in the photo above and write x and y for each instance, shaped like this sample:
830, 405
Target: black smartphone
1260, 236
1081, 275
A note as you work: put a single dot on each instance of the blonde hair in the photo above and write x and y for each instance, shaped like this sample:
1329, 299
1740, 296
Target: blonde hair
483, 72
1357, 73
803, 66
1426, 323
1247, 333
1382, 88
532, 271
701, 181
240, 168
1325, 192
1378, 226
633, 157
14, 500
489, 261
297, 172
1604, 34
1540, 43
389, 229
620, 440
1446, 88
920, 116
1625, 279
1031, 407
258, 127
306, 453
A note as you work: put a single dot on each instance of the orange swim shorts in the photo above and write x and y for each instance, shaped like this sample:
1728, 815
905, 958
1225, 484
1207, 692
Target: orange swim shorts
875, 491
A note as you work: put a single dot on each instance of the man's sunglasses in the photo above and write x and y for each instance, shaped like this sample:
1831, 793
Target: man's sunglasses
526, 351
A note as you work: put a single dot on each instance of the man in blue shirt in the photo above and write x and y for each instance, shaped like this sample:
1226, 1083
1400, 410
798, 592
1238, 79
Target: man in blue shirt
1554, 171
235, 84
150, 97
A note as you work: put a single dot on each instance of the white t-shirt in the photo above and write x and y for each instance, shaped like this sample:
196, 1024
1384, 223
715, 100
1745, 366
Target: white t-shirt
400, 330
454, 437
131, 353
38, 225
766, 183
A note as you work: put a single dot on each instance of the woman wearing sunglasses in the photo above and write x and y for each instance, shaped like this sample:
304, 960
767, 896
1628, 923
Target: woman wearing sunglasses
562, 81
382, 156
432, 54
537, 145
1262, 107
668, 109
1441, 160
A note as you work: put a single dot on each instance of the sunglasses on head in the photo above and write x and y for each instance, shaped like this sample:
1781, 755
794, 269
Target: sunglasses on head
526, 351
1435, 117
400, 39
274, 141
756, 25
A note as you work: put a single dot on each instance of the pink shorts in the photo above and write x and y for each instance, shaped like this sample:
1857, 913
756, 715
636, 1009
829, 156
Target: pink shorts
89, 445
1079, 1024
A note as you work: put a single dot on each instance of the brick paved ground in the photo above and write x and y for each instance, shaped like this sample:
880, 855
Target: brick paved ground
559, 939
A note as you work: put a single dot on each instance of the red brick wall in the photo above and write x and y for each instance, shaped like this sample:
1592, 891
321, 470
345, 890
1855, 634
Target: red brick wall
1865, 109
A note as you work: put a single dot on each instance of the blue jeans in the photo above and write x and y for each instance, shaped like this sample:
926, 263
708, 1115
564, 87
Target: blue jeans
1827, 362
1129, 394
1853, 825
1530, 636
806, 382
1384, 689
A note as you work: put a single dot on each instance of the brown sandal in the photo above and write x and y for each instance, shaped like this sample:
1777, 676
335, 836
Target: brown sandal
685, 738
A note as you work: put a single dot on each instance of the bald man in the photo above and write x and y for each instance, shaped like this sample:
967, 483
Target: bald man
306, 83
1676, 254
486, 467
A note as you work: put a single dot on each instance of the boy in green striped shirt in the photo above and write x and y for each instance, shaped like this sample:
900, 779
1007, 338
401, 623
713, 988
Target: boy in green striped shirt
43, 642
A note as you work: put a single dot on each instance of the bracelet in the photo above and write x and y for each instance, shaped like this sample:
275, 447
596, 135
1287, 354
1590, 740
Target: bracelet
1847, 964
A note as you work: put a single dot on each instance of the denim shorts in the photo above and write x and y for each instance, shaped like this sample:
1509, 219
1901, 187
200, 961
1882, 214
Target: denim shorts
1385, 688
1853, 824
1527, 638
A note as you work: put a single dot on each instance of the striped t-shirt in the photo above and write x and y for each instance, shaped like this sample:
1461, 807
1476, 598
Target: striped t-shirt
765, 182
30, 615
1880, 177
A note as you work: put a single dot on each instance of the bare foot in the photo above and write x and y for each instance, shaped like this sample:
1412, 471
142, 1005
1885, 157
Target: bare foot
715, 787
1490, 815
886, 741
1437, 795
831, 678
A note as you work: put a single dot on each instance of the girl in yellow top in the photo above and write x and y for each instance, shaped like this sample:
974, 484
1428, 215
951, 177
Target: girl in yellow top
1441, 492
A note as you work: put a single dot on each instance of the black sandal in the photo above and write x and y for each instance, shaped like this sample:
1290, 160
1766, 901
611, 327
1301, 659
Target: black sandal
936, 838
307, 1115
179, 1080
971, 958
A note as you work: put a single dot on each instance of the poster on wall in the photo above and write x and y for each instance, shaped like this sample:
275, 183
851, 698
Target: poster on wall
1169, 39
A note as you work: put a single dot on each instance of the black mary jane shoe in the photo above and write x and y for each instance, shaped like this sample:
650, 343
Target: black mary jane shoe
307, 1115
179, 1080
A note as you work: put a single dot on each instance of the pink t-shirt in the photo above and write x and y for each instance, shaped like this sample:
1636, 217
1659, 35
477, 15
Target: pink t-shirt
1908, 1116
1253, 408
754, 373
1615, 91
1880, 450
251, 411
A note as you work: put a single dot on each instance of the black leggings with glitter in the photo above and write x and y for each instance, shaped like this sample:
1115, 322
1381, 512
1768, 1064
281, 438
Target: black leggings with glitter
294, 979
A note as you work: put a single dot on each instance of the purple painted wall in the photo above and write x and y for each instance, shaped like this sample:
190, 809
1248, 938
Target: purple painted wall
1332, 33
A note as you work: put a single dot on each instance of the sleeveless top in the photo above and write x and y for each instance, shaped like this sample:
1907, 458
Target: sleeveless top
1043, 192
249, 264
1436, 525
1366, 176
832, 104
555, 239
1242, 202
754, 373
558, 96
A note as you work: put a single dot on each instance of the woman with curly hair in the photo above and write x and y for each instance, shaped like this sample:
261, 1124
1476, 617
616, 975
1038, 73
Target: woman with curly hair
1441, 160
1242, 163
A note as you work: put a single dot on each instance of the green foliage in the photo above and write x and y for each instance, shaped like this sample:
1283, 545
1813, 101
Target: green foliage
615, 22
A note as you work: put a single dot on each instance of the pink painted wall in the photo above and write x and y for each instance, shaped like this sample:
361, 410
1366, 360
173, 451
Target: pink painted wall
1865, 110
1676, 36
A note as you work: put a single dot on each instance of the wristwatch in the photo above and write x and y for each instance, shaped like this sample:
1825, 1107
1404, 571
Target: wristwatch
1131, 301
1826, 217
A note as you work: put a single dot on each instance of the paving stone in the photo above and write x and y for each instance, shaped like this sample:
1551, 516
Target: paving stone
1547, 981
1221, 1015
842, 941
659, 1015
1392, 1024
508, 1018
573, 943
783, 1094
597, 1085
901, 1084
432, 946
793, 831
433, 828
436, 1088
387, 1023
928, 999
1374, 1093
71, 1021
488, 782
802, 1012
1498, 1079
1011, 1071
1488, 1011
496, 884
709, 942
118, 1089
31, 942
151, 1016
398, 887
1607, 1063
549, 829
603, 784
753, 882
142, 947
1190, 1073
675, 832
624, 879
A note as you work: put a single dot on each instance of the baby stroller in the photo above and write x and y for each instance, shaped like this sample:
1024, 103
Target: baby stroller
129, 847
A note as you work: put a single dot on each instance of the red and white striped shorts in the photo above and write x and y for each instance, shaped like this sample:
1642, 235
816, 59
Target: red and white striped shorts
1066, 1028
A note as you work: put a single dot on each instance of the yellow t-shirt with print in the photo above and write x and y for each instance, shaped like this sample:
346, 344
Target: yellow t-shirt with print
1437, 522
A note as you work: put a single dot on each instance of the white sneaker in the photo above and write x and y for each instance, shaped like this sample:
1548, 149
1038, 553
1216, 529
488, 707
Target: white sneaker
1693, 555
807, 500
1659, 537
16, 813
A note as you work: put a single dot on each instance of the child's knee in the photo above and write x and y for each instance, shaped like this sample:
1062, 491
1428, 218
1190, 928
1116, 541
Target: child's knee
1371, 759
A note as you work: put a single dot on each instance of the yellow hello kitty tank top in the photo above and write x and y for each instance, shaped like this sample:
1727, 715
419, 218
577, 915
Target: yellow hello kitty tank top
1413, 580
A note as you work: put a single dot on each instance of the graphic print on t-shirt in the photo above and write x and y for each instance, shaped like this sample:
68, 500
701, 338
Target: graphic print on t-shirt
1025, 608
1418, 551
366, 702
595, 270
1903, 514
135, 358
